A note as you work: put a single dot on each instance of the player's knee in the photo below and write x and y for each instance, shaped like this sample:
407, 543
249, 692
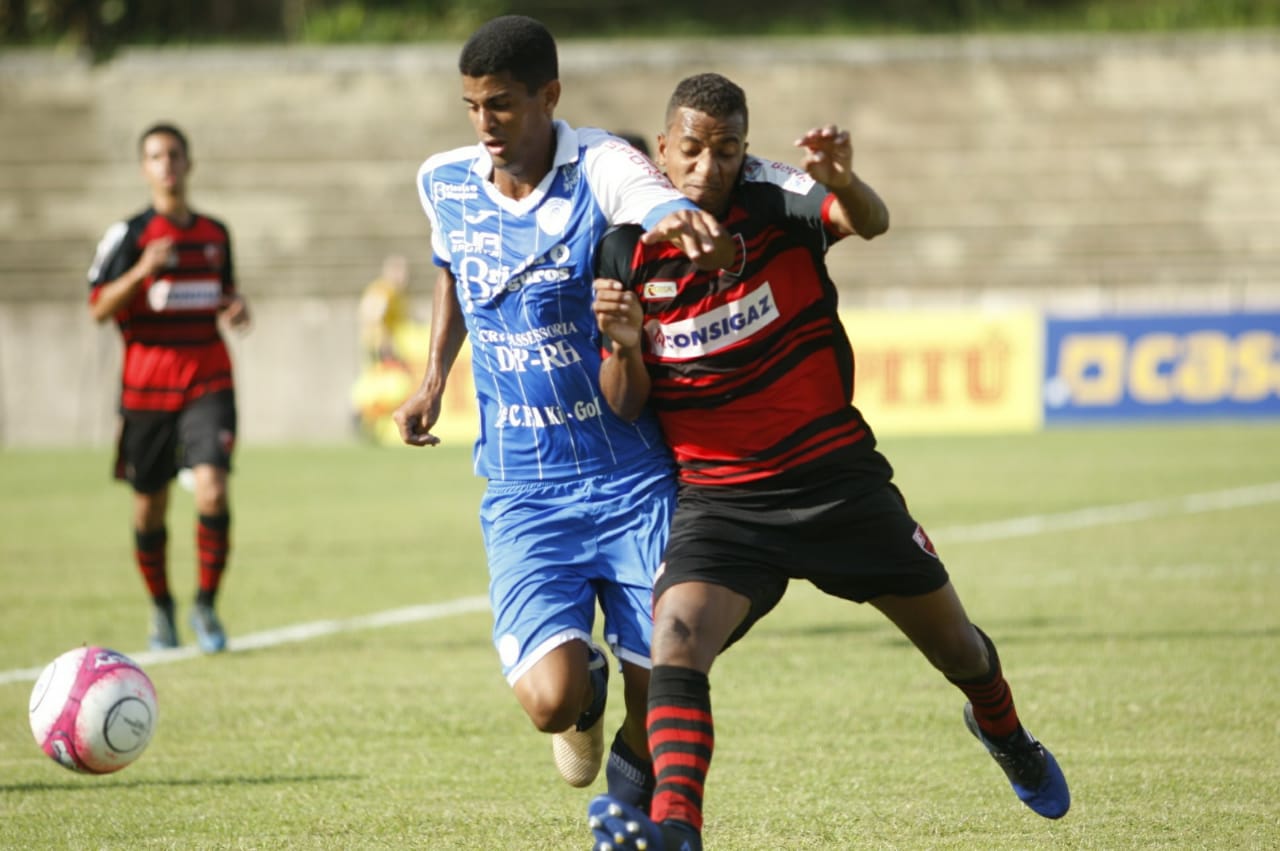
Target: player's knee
549, 704
550, 715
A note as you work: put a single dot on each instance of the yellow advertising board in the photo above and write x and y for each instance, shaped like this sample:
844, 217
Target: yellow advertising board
948, 371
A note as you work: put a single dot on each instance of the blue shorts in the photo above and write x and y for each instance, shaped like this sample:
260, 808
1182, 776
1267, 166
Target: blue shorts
555, 548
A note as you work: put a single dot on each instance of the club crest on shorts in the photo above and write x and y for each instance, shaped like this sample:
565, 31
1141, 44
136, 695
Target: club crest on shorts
922, 541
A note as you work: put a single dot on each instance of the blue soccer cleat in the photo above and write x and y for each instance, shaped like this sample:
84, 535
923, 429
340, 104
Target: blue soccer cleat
1032, 771
164, 634
616, 826
210, 636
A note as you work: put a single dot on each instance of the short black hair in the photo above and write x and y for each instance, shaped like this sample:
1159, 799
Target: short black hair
164, 127
712, 94
515, 44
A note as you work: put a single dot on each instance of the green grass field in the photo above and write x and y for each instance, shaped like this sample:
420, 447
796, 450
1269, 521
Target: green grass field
1142, 643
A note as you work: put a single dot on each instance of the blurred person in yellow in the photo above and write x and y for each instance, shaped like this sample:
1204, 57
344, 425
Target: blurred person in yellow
384, 310
394, 349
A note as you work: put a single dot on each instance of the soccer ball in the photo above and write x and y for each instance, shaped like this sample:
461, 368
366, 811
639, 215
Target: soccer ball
93, 710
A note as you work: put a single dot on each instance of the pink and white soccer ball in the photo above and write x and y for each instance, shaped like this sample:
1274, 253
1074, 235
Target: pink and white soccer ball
93, 710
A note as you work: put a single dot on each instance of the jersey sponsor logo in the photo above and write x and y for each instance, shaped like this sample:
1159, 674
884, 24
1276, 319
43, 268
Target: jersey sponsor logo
547, 416
714, 330
659, 290
531, 337
781, 174
548, 356
478, 242
166, 295
481, 282
441, 191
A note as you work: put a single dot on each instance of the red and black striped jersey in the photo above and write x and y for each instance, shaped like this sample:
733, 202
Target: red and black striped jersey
752, 371
173, 352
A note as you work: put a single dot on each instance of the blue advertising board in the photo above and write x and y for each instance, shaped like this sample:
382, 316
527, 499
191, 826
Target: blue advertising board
1162, 366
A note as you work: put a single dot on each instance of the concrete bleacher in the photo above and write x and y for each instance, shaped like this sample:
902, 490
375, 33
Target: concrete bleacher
1070, 173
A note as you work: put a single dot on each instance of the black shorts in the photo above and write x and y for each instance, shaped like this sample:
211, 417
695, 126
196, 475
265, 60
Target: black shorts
154, 445
851, 536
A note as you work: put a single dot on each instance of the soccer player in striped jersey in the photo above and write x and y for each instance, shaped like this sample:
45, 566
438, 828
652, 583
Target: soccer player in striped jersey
751, 374
577, 506
165, 276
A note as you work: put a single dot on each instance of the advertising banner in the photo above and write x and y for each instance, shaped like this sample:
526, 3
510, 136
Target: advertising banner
947, 371
1175, 366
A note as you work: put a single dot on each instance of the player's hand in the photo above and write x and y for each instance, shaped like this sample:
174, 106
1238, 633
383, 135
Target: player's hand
158, 255
697, 233
416, 417
618, 313
828, 156
235, 310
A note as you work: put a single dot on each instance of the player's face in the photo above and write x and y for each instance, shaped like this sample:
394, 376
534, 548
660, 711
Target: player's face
164, 163
703, 155
511, 122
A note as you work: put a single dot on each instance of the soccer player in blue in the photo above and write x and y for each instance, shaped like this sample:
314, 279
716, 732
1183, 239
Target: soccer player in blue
578, 500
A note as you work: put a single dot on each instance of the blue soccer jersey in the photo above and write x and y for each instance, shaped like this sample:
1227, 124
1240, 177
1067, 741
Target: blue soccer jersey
524, 270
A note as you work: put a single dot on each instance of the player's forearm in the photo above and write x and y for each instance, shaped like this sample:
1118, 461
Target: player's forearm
625, 382
115, 295
859, 209
448, 332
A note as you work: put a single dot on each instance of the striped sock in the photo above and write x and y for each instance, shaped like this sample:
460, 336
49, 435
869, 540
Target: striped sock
213, 540
149, 551
681, 738
991, 697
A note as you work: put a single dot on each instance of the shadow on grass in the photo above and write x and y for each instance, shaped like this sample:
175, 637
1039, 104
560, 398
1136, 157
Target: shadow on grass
87, 786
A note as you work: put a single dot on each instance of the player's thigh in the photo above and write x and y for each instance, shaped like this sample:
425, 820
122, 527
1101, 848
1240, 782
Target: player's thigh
540, 587
207, 430
147, 450
632, 515
721, 573
869, 547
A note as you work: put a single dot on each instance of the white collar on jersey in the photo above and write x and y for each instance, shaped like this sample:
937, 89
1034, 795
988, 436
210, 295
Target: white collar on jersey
566, 151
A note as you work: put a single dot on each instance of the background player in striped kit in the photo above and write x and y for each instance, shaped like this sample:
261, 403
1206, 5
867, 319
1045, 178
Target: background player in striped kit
751, 375
166, 277
578, 501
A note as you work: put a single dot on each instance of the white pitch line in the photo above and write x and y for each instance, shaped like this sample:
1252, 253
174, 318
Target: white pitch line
1108, 515
294, 633
1016, 527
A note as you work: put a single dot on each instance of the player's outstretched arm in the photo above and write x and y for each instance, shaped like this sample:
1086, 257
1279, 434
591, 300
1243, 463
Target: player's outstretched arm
624, 381
420, 412
828, 158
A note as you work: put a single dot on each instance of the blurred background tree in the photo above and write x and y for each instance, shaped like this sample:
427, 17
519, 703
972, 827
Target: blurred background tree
100, 26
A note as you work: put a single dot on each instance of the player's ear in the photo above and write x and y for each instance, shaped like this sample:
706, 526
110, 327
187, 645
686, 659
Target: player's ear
551, 96
660, 152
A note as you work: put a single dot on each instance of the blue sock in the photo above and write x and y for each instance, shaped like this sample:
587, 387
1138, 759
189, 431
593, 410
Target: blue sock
629, 778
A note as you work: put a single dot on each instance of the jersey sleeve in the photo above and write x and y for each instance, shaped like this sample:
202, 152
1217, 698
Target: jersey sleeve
440, 253
115, 255
628, 187
614, 259
802, 200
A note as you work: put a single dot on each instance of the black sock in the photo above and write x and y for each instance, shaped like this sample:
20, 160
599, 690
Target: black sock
629, 778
